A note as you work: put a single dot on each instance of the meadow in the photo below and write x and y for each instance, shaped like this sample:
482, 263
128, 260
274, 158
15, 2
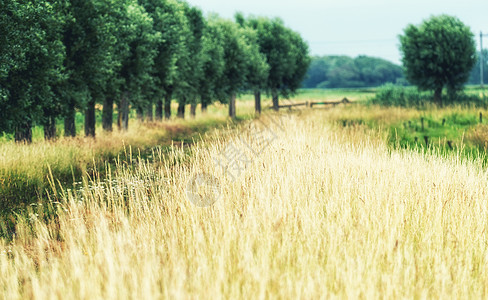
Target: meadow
338, 203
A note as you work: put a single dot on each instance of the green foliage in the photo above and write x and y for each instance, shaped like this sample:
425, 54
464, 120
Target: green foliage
189, 64
455, 130
438, 53
394, 95
169, 20
134, 52
257, 69
286, 54
235, 59
60, 57
31, 56
212, 62
345, 72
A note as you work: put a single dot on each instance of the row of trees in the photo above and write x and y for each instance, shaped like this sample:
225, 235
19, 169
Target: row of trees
58, 57
346, 72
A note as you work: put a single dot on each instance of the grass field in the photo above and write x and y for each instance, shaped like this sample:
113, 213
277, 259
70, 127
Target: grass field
330, 206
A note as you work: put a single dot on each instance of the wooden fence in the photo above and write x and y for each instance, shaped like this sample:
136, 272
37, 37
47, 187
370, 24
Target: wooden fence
311, 104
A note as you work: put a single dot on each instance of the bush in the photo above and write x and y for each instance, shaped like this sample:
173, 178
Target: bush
395, 95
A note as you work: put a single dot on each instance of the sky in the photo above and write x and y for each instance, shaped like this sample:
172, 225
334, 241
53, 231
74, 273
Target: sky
360, 27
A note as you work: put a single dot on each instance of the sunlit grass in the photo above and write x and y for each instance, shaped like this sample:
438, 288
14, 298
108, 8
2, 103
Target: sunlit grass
323, 211
24, 168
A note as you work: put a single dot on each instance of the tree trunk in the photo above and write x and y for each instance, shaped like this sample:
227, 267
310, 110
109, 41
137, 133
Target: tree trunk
119, 116
140, 113
167, 106
69, 122
438, 96
232, 106
124, 111
193, 110
451, 93
181, 109
159, 110
276, 101
149, 113
204, 107
23, 132
257, 102
108, 114
90, 120
50, 129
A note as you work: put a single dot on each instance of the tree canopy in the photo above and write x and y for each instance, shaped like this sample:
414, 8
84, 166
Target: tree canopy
60, 58
31, 57
438, 53
286, 53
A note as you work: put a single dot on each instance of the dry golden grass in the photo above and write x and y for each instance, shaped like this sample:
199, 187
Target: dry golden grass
67, 156
323, 212
479, 135
392, 115
31, 159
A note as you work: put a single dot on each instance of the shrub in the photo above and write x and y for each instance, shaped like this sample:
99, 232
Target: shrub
395, 95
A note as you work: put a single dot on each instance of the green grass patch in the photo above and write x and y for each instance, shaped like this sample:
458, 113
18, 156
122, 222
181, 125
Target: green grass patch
447, 130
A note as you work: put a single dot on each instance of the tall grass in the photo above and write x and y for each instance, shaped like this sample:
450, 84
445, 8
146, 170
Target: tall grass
322, 212
25, 168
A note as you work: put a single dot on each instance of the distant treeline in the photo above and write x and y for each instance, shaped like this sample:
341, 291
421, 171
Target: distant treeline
346, 72
365, 71
59, 57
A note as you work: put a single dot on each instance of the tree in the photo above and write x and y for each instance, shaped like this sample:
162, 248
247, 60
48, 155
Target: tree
90, 41
438, 53
133, 59
169, 20
31, 56
286, 55
212, 63
189, 64
257, 68
235, 58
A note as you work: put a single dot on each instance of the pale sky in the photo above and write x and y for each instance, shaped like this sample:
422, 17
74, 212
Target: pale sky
369, 27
